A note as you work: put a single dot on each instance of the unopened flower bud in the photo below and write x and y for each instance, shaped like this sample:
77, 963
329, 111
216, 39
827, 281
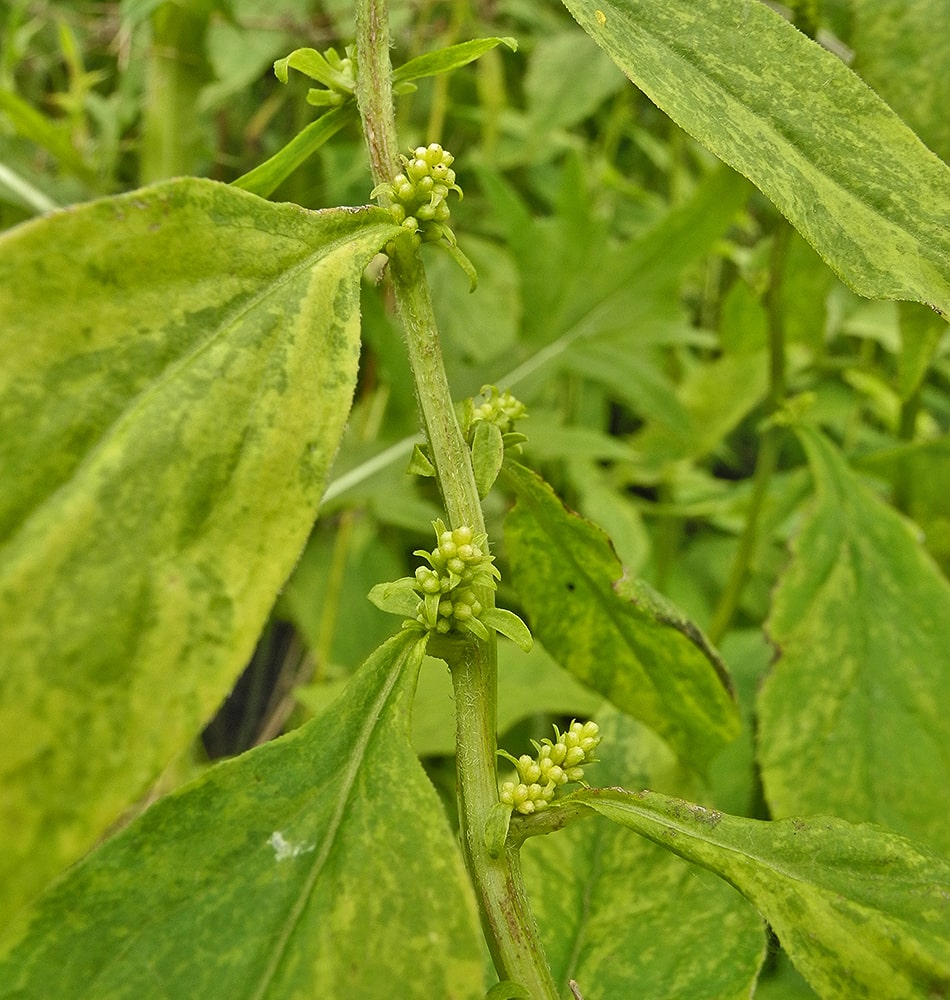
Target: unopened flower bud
574, 756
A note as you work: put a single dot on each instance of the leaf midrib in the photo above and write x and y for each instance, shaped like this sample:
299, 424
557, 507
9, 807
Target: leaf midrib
347, 780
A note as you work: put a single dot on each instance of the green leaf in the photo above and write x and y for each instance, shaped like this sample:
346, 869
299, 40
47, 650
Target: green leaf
551, 440
317, 865
715, 397
179, 367
790, 116
921, 334
466, 266
567, 79
397, 598
902, 51
509, 625
923, 467
447, 59
860, 911
576, 283
632, 377
488, 452
265, 178
610, 907
313, 64
853, 717
614, 633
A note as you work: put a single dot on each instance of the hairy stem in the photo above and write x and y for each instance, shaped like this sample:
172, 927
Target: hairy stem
506, 916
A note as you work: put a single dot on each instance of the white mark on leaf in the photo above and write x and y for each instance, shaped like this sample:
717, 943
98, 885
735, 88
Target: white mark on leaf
284, 848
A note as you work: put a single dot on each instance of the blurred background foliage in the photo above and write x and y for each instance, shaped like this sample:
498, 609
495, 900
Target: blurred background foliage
647, 304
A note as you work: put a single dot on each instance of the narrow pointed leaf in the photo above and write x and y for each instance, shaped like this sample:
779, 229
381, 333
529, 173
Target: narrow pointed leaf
853, 717
832, 156
317, 865
860, 911
613, 908
447, 59
615, 634
269, 175
179, 364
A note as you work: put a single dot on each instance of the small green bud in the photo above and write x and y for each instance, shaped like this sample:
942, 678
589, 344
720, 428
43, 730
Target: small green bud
435, 155
552, 772
447, 548
416, 170
528, 769
574, 756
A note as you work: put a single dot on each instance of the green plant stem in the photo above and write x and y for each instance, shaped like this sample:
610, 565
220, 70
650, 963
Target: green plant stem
509, 926
768, 450
449, 453
903, 481
374, 88
175, 74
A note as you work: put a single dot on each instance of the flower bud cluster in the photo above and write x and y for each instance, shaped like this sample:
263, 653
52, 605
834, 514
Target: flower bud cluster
498, 408
557, 762
457, 564
419, 193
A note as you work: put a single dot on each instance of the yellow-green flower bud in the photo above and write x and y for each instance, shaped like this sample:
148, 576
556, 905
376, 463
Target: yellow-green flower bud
574, 756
